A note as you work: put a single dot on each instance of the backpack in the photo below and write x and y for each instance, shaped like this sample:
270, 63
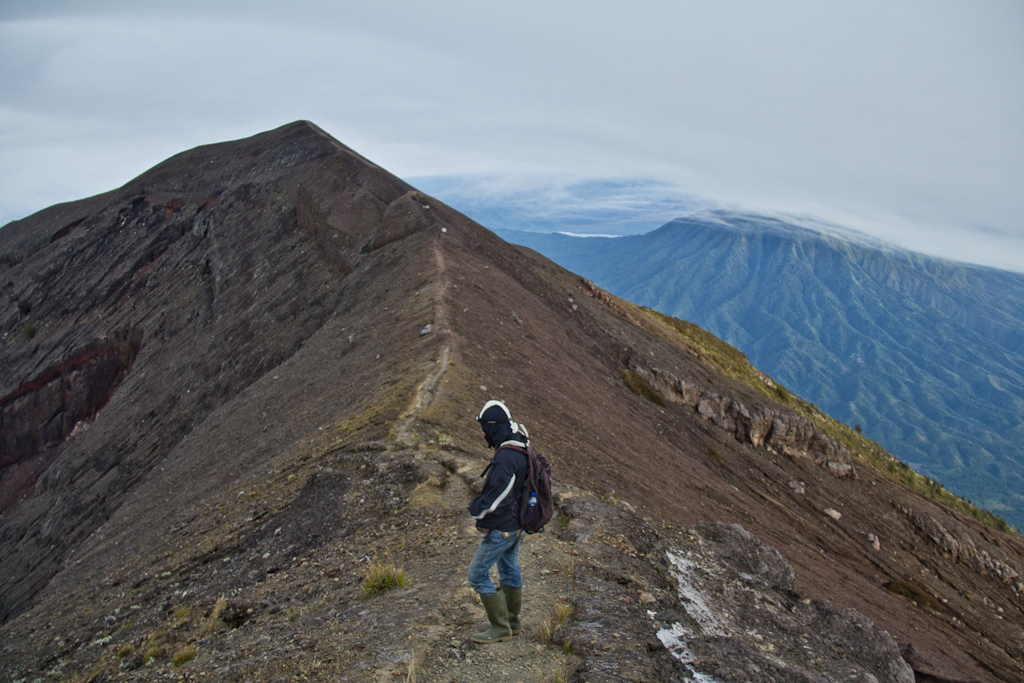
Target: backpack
532, 518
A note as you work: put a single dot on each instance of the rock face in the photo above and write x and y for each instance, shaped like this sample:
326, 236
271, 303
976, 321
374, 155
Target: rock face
233, 385
777, 430
746, 623
960, 546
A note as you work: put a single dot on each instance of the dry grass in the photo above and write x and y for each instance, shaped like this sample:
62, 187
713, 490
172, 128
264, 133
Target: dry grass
155, 646
185, 654
561, 675
218, 610
567, 567
381, 575
562, 613
410, 673
546, 630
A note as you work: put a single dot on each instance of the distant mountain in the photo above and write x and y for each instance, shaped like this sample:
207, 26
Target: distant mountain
925, 354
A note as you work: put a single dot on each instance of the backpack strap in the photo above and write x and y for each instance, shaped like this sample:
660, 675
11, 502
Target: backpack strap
530, 481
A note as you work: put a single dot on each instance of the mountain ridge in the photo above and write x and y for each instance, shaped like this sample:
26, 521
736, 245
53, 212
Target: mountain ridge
313, 339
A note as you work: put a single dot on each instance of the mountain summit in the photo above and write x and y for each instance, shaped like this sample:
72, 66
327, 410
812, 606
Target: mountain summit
234, 386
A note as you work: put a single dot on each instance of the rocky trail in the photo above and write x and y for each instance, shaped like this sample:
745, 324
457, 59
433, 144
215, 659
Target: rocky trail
597, 591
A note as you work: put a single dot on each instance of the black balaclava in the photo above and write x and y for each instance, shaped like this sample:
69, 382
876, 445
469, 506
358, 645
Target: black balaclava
496, 421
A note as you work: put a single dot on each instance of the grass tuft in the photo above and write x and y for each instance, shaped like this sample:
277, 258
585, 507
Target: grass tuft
546, 630
183, 655
218, 610
561, 675
410, 672
154, 648
562, 613
381, 575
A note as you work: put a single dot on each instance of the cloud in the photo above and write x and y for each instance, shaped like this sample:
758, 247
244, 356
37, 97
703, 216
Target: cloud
903, 117
556, 204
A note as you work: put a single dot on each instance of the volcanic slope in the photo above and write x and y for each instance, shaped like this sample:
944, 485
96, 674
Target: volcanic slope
236, 383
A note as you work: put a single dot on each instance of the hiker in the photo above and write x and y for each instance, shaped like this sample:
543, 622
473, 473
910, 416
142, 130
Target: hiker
496, 511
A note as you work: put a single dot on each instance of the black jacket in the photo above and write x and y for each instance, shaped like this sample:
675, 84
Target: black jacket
493, 508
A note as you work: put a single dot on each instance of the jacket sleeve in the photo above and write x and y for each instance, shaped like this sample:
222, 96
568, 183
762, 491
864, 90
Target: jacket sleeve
499, 489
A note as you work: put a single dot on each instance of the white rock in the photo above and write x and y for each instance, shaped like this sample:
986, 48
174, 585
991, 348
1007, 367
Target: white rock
833, 514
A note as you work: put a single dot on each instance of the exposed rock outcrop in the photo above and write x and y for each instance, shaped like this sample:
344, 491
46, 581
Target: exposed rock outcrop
745, 622
773, 428
958, 545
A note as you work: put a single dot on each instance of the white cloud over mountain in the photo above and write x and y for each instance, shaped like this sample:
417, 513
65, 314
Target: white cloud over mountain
898, 119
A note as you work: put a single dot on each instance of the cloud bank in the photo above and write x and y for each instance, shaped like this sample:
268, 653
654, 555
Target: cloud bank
898, 119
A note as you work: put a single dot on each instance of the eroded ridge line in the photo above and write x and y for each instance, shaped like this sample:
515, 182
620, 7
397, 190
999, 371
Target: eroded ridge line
426, 391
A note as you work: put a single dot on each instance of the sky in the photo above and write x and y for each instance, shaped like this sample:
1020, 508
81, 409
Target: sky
900, 119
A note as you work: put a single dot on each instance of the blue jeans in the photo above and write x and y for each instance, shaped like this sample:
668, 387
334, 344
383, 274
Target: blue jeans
495, 548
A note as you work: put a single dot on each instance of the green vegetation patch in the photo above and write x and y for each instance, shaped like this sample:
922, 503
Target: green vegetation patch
878, 459
915, 594
381, 575
729, 360
642, 387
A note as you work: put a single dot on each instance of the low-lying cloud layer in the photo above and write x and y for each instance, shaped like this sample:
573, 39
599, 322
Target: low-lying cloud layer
898, 119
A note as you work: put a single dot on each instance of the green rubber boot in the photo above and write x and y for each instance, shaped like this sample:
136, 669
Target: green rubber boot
498, 616
513, 601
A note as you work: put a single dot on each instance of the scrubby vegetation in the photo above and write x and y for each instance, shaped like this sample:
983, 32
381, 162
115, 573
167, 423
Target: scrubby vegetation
877, 458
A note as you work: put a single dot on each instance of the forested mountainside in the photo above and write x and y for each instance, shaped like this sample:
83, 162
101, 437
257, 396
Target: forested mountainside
926, 355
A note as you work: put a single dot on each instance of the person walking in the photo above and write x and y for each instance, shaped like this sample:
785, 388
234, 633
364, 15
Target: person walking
496, 511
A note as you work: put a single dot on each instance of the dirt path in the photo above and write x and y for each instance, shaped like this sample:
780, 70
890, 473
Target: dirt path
443, 650
426, 391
